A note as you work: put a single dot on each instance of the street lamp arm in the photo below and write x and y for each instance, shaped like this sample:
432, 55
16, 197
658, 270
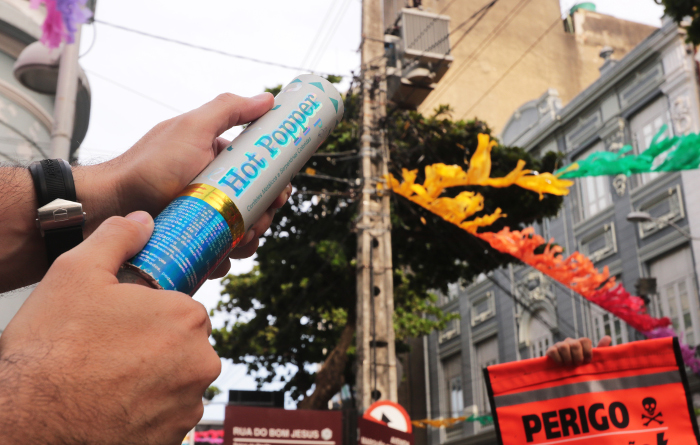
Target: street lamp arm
683, 232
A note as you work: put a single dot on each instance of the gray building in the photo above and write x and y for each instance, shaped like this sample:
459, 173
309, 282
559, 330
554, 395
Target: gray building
26, 116
655, 84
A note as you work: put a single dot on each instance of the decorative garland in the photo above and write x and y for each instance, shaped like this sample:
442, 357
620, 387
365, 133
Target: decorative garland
577, 272
674, 154
209, 436
438, 177
62, 20
437, 423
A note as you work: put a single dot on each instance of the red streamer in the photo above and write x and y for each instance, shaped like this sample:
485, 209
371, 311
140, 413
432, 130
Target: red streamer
576, 272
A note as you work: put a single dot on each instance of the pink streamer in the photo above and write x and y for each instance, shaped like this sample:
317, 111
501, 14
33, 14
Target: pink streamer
627, 307
210, 436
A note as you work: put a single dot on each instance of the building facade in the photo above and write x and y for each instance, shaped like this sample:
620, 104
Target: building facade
655, 86
514, 50
26, 117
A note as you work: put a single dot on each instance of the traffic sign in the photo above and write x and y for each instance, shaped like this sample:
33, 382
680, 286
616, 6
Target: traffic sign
390, 414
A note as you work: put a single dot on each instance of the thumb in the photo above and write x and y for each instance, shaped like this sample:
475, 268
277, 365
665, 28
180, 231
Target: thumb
116, 240
229, 110
604, 342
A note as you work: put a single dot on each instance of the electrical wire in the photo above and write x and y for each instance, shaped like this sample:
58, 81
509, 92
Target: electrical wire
216, 51
329, 35
24, 137
324, 22
92, 44
485, 43
527, 51
138, 93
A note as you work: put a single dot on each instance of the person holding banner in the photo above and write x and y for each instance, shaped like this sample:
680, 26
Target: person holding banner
630, 394
575, 352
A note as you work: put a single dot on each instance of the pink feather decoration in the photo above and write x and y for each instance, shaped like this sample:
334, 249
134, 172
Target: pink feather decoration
62, 20
687, 352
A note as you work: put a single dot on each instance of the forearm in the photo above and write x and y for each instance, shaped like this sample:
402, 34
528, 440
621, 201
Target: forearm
22, 251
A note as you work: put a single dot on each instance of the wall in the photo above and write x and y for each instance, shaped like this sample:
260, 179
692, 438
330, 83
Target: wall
474, 85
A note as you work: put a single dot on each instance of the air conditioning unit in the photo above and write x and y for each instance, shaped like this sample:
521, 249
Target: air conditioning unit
421, 52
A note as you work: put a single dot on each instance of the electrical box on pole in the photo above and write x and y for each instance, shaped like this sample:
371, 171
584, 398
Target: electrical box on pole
417, 45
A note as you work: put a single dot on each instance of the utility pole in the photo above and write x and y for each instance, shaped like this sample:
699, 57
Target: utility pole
66, 92
376, 354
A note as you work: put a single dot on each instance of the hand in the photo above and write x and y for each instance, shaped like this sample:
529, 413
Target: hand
575, 352
147, 177
94, 361
160, 165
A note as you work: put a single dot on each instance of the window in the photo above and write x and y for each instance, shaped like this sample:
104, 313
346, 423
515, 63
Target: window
665, 207
452, 329
599, 244
605, 323
486, 355
483, 308
676, 294
645, 125
540, 335
452, 370
594, 190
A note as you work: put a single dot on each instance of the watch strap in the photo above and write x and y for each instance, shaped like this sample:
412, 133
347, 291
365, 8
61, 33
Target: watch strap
59, 241
53, 179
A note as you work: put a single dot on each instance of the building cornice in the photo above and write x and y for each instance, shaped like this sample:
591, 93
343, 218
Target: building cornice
650, 48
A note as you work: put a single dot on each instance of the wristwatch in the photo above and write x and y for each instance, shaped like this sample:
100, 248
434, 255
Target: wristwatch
60, 217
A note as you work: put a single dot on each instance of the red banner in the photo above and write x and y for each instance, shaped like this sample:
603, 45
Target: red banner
374, 433
631, 394
275, 426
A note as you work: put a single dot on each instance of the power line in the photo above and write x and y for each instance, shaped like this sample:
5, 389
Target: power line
214, 50
138, 93
485, 43
527, 51
329, 34
24, 137
324, 22
92, 44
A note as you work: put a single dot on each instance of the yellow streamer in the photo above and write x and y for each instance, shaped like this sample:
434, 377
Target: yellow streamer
439, 176
455, 210
437, 423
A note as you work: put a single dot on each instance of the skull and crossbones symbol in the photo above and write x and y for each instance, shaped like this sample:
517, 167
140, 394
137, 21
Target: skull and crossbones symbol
649, 405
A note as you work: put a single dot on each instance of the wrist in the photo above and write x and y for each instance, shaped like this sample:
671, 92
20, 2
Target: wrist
98, 190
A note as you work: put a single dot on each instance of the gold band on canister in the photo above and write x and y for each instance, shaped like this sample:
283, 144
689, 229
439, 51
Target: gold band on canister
222, 203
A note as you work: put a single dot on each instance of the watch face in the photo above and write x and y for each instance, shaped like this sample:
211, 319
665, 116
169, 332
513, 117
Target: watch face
60, 213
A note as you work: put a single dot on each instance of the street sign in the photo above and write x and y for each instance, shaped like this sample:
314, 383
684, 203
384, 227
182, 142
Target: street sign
390, 414
375, 433
274, 426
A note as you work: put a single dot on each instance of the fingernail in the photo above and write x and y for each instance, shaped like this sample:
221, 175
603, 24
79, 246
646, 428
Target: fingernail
248, 236
261, 97
140, 216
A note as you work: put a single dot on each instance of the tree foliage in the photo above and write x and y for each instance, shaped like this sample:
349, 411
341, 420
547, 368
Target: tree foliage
678, 10
296, 308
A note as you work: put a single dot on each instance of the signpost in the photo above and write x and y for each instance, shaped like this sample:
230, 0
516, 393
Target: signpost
390, 414
246, 425
374, 433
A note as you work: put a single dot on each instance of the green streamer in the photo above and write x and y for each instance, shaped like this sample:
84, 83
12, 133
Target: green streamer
683, 153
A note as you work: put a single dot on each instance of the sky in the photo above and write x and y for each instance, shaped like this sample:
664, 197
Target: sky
138, 81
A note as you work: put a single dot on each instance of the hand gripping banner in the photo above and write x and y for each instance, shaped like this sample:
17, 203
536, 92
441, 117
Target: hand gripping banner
632, 394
